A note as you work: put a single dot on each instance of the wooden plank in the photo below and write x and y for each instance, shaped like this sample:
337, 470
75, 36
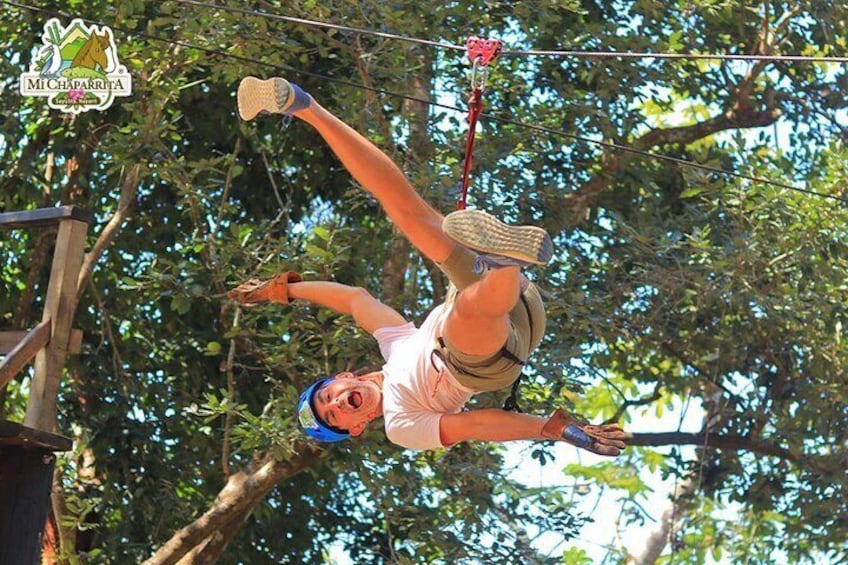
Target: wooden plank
59, 306
13, 433
10, 339
24, 352
43, 217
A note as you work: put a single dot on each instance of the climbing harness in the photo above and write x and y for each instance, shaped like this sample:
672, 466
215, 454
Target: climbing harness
480, 52
511, 402
441, 353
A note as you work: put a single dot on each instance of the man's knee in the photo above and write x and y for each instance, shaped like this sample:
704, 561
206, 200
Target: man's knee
473, 334
493, 296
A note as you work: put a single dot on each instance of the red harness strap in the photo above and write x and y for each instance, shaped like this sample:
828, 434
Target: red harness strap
475, 107
481, 52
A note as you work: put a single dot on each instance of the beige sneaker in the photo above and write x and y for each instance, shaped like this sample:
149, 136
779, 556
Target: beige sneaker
272, 96
499, 245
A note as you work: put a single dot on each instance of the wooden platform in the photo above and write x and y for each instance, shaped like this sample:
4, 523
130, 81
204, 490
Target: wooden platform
15, 434
43, 217
27, 463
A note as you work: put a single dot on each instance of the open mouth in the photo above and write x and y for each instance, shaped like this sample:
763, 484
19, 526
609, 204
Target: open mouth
355, 399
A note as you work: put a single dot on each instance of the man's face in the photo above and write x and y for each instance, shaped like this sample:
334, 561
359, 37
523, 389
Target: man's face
349, 402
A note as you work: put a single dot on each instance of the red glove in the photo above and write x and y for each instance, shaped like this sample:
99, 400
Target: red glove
255, 292
607, 439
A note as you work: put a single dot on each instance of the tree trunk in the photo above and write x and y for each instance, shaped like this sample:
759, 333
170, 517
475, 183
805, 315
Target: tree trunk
243, 491
656, 542
211, 549
681, 498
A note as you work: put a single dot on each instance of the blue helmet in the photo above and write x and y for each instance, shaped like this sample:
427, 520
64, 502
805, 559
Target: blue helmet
308, 417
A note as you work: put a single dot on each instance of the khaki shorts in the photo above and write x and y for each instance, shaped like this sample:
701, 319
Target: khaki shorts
497, 371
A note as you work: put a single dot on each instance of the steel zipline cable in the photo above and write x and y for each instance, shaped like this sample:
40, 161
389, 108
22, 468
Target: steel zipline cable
326, 25
525, 52
494, 117
678, 56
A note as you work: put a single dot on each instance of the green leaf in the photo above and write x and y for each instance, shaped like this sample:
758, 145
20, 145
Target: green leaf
180, 303
692, 192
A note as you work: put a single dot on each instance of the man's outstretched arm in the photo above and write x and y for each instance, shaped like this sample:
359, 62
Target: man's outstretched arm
494, 424
369, 313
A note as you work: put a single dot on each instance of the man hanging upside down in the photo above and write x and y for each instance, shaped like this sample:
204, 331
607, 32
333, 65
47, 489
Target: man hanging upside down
477, 341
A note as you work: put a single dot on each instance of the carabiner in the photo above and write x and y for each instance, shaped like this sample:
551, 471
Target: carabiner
479, 75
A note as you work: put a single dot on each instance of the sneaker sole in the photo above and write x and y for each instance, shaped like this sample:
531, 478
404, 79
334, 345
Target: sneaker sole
483, 233
256, 96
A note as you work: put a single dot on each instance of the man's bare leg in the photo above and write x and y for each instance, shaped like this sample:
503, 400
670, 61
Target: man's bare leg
479, 323
417, 220
381, 177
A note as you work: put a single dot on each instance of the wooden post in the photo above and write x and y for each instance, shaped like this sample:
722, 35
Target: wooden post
27, 457
59, 307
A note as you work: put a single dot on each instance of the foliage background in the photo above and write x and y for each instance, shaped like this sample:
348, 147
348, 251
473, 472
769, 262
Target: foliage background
670, 283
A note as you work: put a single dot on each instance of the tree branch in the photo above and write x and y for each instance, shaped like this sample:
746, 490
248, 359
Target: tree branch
209, 551
231, 396
653, 397
129, 189
243, 491
660, 537
732, 442
743, 113
117, 361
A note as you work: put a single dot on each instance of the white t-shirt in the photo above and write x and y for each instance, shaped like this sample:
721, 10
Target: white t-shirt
415, 392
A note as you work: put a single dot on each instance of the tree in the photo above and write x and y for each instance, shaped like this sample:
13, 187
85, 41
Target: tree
672, 282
